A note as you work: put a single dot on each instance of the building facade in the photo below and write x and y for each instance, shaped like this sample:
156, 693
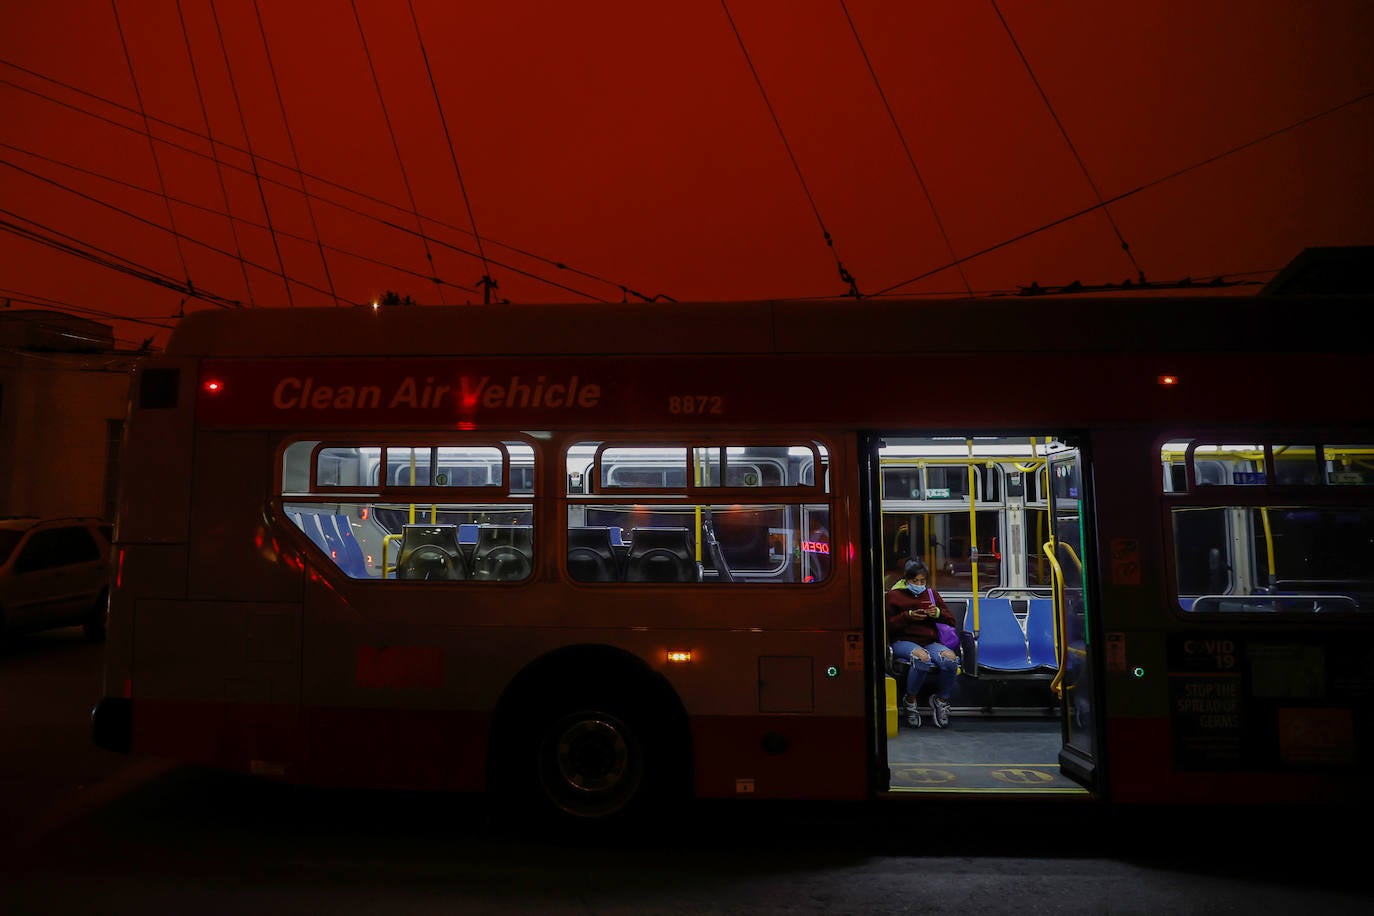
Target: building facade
63, 399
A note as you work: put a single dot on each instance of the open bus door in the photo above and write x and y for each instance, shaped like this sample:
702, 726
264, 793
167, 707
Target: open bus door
1023, 716
1067, 551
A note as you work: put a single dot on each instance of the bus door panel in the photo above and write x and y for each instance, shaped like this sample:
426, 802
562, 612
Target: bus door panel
1068, 554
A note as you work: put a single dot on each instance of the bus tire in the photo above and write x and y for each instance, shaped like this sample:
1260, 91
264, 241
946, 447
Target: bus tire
591, 761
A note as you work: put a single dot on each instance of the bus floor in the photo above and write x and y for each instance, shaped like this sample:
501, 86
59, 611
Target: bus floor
980, 754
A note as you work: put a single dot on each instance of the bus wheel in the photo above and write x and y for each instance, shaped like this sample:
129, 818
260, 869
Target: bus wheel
591, 763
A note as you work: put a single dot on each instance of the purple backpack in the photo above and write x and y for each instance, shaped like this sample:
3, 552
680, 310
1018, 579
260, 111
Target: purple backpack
948, 635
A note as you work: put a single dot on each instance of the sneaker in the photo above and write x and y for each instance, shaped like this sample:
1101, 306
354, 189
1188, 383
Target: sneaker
913, 714
939, 711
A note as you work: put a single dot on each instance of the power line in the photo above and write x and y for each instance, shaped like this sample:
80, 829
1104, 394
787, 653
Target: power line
255, 158
158, 226
845, 275
295, 159
206, 245
252, 159
1073, 149
152, 147
219, 168
1136, 190
488, 284
906, 148
400, 160
96, 255
194, 206
379, 220
14, 295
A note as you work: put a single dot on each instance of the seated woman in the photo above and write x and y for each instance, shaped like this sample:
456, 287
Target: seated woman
913, 608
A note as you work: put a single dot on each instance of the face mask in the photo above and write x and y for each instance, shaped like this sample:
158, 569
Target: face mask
916, 590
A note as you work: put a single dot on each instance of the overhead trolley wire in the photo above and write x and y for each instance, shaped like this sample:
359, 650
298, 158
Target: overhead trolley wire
1136, 190
400, 160
196, 206
152, 147
97, 255
487, 282
14, 295
289, 235
1125, 246
219, 168
225, 302
845, 275
256, 157
906, 148
291, 142
252, 158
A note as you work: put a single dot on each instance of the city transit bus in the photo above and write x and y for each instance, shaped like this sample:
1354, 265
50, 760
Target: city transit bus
598, 558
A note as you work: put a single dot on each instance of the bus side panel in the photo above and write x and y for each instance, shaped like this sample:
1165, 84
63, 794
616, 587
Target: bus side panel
154, 494
386, 702
783, 757
235, 555
1152, 777
218, 682
385, 748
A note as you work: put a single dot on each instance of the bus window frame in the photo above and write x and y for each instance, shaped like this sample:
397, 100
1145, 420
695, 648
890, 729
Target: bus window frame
384, 492
801, 495
1265, 495
593, 485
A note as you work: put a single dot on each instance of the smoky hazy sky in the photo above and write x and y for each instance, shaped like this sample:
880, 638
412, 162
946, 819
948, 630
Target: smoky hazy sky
322, 152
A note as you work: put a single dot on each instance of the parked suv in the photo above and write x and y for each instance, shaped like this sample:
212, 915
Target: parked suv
54, 573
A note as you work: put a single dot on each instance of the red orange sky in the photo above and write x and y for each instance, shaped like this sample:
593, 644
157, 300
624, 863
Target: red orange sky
630, 142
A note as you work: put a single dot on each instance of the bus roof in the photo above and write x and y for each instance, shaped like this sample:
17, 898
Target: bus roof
1053, 323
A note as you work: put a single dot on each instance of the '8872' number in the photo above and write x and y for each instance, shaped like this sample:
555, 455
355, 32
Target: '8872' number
696, 403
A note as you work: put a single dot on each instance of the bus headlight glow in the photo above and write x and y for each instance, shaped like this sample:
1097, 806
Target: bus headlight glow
680, 656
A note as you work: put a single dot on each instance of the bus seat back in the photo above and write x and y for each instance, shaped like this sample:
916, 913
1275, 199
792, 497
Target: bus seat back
661, 555
504, 553
591, 557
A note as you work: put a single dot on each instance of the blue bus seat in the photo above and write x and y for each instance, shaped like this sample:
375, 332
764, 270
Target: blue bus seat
504, 553
309, 522
661, 555
351, 560
591, 557
1001, 642
1040, 633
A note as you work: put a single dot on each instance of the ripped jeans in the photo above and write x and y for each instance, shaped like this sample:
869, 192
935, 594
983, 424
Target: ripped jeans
948, 667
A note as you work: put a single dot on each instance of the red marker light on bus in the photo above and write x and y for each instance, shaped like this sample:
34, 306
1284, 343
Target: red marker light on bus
1167, 380
680, 656
213, 386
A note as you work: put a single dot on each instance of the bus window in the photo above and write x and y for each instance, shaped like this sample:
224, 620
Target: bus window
1285, 558
1296, 466
1348, 465
430, 512
1261, 551
941, 540
722, 515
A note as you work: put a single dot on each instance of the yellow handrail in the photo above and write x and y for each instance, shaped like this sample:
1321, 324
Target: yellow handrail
973, 532
386, 540
1268, 542
1060, 626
